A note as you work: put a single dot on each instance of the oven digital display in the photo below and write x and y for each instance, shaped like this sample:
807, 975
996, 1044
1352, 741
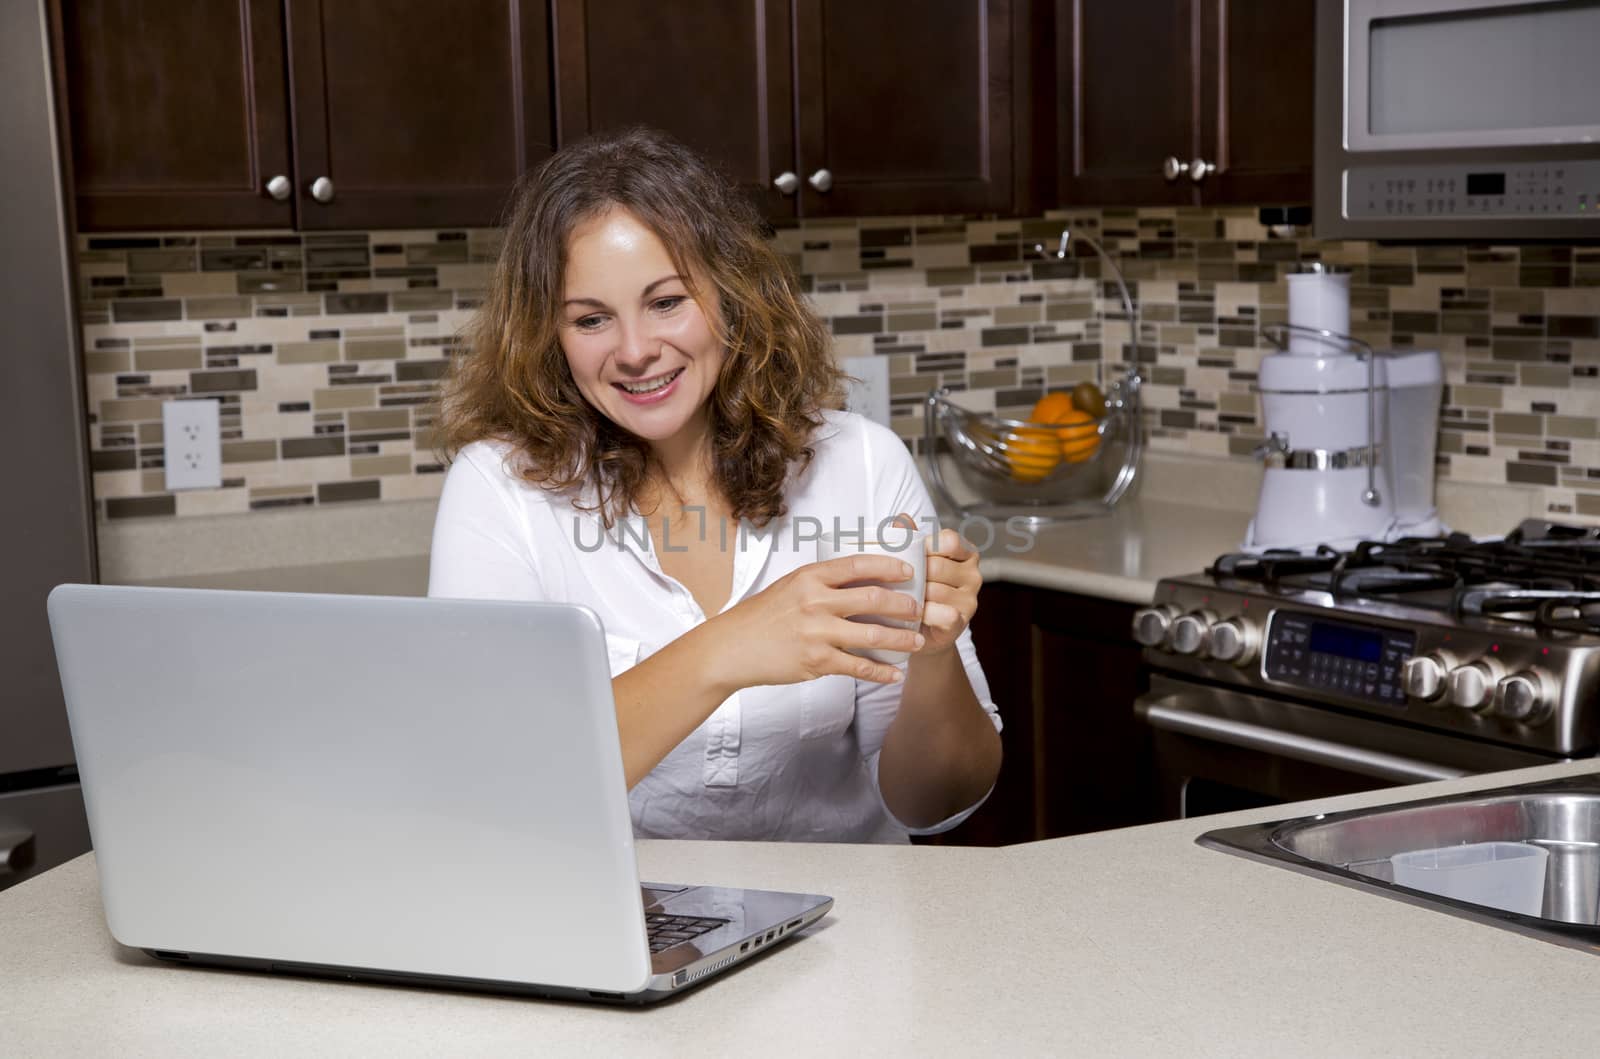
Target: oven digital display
1342, 641
1341, 659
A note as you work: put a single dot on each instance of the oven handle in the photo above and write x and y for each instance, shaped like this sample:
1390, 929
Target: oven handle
1298, 747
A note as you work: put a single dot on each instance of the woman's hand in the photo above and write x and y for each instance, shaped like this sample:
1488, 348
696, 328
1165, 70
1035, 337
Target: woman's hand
951, 598
798, 628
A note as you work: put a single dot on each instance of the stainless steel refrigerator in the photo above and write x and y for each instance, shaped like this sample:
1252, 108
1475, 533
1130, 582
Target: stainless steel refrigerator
47, 525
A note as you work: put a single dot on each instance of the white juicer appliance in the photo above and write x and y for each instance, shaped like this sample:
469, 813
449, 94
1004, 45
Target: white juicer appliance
1351, 433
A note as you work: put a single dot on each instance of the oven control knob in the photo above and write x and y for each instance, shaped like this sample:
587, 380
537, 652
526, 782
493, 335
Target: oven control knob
1152, 624
1426, 676
1234, 640
1189, 632
1527, 697
1472, 686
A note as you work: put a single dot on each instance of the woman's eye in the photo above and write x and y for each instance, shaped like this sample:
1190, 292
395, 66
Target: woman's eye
588, 323
666, 305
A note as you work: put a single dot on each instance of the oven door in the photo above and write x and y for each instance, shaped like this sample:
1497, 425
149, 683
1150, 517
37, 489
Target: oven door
1218, 749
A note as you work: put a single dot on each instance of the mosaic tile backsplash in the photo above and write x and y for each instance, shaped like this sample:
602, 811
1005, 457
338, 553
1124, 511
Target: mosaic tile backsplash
326, 350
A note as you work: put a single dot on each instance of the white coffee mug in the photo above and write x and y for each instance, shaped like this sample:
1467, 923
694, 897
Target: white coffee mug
909, 546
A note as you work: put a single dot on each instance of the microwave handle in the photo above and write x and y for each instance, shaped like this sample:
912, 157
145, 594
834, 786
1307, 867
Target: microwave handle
1297, 747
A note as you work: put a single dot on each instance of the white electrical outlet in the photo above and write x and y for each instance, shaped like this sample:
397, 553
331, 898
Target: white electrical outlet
869, 394
191, 432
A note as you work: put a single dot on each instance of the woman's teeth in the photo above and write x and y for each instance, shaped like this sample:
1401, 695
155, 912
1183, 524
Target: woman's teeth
652, 386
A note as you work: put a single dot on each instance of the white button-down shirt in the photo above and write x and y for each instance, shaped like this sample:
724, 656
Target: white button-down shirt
796, 761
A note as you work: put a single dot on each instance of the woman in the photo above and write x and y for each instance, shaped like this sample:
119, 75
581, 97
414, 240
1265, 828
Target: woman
643, 425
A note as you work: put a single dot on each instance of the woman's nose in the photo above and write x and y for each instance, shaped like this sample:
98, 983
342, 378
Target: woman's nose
636, 348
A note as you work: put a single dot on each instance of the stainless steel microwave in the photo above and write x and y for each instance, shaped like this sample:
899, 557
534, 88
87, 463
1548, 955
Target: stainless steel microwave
1473, 120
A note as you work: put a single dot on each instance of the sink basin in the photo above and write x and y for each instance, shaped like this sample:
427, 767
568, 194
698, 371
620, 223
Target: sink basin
1354, 847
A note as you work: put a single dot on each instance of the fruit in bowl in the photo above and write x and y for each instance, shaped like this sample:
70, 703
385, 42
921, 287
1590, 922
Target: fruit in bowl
1086, 397
1031, 453
1076, 428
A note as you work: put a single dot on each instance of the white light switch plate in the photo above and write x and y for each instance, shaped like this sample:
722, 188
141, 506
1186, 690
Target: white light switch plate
191, 432
869, 395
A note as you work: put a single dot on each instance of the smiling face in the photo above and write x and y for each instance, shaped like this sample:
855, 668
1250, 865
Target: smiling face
641, 349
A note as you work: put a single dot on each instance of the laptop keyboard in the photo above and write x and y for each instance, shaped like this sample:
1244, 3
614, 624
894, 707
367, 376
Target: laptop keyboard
666, 931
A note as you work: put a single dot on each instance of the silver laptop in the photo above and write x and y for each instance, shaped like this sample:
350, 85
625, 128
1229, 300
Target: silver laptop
394, 789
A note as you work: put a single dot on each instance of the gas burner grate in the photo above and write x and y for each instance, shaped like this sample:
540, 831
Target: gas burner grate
1273, 565
1543, 573
1537, 533
1548, 610
1389, 581
1574, 614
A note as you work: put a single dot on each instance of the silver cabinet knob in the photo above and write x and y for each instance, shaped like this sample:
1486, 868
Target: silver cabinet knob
1425, 677
1472, 686
1151, 624
1234, 640
1172, 168
787, 183
1199, 168
822, 180
1189, 632
279, 187
1527, 697
322, 189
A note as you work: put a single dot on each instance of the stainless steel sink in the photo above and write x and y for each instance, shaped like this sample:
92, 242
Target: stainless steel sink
1354, 847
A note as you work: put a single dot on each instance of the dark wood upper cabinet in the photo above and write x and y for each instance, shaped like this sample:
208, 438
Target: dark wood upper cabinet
417, 113
824, 107
1153, 91
713, 73
1260, 100
906, 108
177, 115
1126, 72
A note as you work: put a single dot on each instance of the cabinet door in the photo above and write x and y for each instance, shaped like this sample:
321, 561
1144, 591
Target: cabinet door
1014, 810
908, 107
1256, 100
419, 113
1096, 757
715, 74
1127, 92
176, 112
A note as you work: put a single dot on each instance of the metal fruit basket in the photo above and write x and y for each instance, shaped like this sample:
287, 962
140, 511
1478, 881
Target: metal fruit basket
1005, 463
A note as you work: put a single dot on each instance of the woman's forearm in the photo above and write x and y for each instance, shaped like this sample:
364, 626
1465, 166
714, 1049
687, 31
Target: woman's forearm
663, 699
942, 752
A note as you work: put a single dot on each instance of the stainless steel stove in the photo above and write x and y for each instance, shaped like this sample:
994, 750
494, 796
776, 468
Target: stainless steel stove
1280, 676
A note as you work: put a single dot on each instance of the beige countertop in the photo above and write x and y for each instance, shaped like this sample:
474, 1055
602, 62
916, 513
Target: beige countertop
1121, 555
1132, 942
1184, 513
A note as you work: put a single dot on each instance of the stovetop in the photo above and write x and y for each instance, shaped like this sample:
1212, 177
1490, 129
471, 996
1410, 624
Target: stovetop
1496, 639
1543, 576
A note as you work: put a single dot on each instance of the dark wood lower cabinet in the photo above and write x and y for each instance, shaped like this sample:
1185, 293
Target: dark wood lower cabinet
1064, 670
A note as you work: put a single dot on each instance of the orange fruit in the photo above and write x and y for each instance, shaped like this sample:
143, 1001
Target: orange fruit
1076, 428
1050, 406
1032, 453
1079, 435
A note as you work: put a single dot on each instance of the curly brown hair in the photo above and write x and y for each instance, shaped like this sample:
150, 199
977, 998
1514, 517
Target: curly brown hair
513, 383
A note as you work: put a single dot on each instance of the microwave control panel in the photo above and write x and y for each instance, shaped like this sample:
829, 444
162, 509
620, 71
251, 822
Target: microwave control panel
1545, 189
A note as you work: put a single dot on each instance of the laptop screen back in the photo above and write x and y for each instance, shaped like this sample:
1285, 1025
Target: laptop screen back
414, 785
